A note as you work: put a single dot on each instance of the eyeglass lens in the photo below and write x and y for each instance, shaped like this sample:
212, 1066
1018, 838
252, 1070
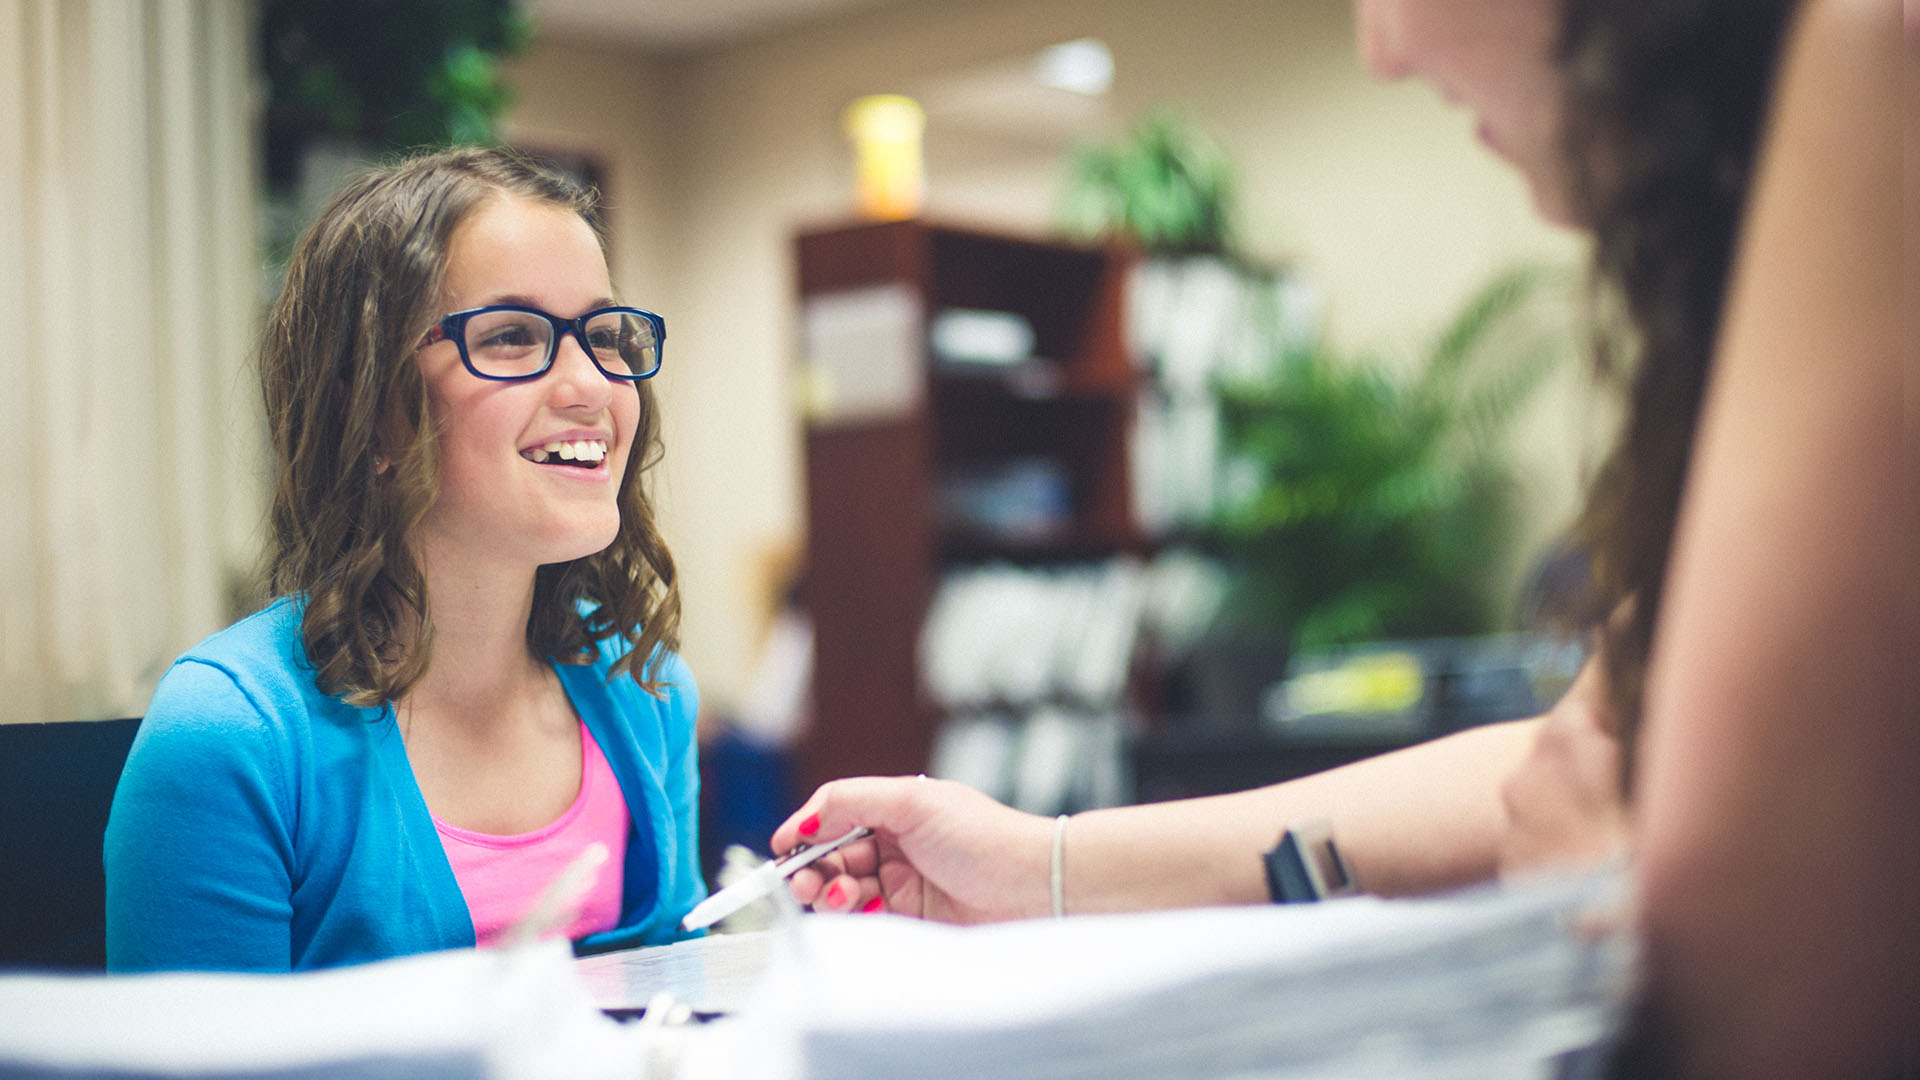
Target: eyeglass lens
512, 344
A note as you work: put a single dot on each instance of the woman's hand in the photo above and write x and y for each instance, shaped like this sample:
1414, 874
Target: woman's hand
1564, 804
940, 850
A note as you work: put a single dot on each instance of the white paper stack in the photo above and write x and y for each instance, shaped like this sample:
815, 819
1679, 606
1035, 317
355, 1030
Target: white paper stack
1486, 984
512, 1015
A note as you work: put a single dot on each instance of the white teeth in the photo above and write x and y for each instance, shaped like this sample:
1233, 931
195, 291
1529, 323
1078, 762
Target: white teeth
575, 450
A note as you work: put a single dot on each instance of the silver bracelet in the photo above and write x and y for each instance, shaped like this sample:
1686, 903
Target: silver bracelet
1059, 870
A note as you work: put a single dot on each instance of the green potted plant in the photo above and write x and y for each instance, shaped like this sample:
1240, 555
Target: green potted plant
383, 75
1372, 504
1163, 186
1352, 502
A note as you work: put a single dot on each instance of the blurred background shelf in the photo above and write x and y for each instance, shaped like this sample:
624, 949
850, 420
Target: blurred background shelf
923, 455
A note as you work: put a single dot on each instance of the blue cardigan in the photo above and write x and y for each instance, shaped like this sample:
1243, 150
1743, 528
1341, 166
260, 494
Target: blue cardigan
262, 825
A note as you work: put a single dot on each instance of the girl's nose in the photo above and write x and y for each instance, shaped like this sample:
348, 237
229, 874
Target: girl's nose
575, 378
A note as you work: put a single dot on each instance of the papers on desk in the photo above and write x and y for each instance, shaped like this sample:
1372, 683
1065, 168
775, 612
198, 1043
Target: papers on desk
712, 974
1482, 985
472, 1013
1487, 984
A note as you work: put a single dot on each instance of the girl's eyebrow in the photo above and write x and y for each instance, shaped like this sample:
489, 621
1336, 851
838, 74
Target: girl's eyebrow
518, 300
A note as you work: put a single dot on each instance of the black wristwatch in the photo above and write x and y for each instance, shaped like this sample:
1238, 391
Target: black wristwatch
1307, 867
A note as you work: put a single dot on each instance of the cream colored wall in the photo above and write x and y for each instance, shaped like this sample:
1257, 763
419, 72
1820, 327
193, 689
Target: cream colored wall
1379, 193
602, 104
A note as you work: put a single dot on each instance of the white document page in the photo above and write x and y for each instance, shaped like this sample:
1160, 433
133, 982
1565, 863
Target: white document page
712, 974
1487, 984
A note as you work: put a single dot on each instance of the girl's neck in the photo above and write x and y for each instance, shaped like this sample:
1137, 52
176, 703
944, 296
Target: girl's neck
480, 658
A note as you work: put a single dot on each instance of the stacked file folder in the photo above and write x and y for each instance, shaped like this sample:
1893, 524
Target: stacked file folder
1485, 984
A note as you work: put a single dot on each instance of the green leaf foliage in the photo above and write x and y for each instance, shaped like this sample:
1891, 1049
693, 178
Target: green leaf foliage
388, 74
1163, 186
1381, 505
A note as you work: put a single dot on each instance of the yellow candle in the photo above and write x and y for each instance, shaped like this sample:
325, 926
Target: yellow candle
889, 179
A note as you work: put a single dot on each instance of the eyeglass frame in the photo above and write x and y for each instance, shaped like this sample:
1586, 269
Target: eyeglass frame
453, 328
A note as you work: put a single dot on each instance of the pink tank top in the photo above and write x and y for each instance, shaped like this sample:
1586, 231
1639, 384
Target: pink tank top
502, 876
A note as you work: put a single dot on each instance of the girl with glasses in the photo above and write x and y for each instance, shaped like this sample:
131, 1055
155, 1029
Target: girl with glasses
467, 684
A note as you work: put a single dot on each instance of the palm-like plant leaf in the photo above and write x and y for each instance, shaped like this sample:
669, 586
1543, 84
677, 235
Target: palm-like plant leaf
1379, 505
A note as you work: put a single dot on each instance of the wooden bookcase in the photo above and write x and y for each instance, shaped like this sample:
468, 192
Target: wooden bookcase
880, 531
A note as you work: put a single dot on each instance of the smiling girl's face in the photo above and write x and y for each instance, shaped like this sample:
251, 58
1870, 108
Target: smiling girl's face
503, 496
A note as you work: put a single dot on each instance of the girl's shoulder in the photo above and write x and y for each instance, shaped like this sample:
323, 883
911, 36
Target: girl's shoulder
265, 642
257, 665
278, 620
665, 667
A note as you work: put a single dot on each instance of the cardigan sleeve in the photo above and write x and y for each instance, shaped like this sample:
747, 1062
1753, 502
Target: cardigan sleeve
684, 885
198, 849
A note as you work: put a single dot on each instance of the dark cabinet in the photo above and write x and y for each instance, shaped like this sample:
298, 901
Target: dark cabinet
971, 399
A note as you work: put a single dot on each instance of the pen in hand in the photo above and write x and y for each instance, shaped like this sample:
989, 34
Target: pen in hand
762, 881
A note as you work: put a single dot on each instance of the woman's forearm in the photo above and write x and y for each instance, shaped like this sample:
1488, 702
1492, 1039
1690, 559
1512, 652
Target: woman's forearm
1413, 820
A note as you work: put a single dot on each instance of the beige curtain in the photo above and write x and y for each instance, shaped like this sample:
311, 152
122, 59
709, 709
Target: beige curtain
130, 491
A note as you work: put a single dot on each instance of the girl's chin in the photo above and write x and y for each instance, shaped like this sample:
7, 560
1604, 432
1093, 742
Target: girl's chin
584, 542
1552, 199
1555, 206
1551, 194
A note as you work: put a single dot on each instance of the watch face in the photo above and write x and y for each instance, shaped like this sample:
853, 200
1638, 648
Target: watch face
1306, 866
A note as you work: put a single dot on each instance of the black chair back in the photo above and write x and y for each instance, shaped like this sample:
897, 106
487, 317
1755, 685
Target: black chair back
56, 786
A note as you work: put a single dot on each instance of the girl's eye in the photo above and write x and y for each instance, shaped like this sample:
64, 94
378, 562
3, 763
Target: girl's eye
509, 335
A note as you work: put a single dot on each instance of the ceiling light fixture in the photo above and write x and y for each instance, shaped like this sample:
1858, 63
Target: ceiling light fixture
1082, 66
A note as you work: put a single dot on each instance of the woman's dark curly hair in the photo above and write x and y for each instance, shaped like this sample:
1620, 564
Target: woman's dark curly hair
1665, 103
355, 465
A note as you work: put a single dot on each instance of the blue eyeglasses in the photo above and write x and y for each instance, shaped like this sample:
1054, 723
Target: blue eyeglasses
510, 343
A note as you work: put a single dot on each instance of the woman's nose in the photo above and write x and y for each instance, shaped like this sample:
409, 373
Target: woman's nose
1378, 30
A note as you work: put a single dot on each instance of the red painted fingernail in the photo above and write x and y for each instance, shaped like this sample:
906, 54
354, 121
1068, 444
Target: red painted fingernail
872, 905
810, 825
836, 896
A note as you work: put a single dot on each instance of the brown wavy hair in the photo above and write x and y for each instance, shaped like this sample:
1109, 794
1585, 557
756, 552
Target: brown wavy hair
1665, 107
354, 444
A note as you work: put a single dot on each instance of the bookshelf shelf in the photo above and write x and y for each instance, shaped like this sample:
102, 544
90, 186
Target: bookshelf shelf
959, 546
1027, 461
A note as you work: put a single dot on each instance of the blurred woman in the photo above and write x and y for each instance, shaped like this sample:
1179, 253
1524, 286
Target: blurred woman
1740, 165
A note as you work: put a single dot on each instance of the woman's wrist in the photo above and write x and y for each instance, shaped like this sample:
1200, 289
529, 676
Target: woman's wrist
1028, 877
1056, 867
